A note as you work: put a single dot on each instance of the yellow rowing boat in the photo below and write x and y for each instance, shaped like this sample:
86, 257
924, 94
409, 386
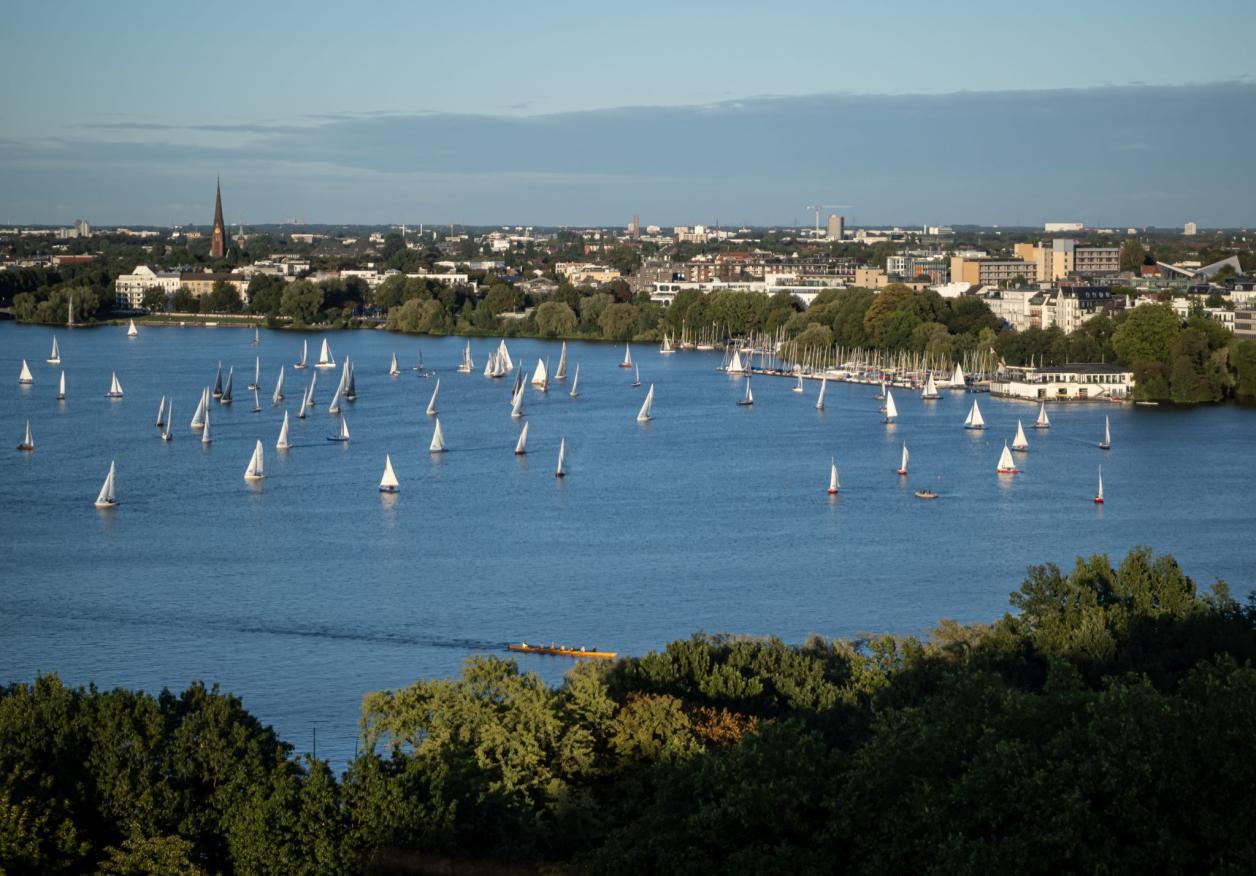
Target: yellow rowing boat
562, 651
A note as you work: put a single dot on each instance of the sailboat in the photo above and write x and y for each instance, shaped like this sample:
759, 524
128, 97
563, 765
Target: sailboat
891, 409
165, 436
666, 349
225, 398
257, 337
25, 376
438, 439
881, 394
636, 376
735, 365
1099, 495
1006, 464
334, 407
115, 387
540, 376
205, 439
521, 446
198, 416
974, 419
305, 352
798, 386
257, 373
931, 389
431, 405
419, 369
575, 382
627, 363
277, 396
325, 359
467, 365
1020, 443
562, 456
131, 330
54, 358
505, 363
283, 443
643, 416
161, 413
388, 483
834, 486
1106, 444
108, 497
824, 384
257, 464
61, 388
490, 365
217, 391
902, 468
394, 370
309, 392
1042, 422
28, 442
747, 399
345, 372
344, 432
560, 373
516, 404
957, 378
257, 402
351, 391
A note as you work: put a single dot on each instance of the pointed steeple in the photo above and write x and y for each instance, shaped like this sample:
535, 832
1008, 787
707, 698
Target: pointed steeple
218, 237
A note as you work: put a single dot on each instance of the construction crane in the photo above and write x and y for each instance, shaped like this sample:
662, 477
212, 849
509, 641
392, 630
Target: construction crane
819, 207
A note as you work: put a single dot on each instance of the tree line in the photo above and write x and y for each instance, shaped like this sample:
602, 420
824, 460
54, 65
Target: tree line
1104, 724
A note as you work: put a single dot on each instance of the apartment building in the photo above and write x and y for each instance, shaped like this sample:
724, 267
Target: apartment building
990, 272
129, 289
1064, 257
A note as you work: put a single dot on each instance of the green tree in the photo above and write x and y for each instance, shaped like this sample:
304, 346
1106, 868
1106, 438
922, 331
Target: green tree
1133, 255
1146, 334
555, 319
183, 301
302, 301
500, 298
618, 322
154, 299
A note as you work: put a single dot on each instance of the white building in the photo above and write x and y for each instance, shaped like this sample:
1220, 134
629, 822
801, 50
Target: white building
1077, 382
129, 288
1050, 227
1190, 229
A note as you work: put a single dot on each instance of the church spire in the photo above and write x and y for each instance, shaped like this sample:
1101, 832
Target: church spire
218, 237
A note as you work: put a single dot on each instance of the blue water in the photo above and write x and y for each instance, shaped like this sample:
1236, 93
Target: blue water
304, 593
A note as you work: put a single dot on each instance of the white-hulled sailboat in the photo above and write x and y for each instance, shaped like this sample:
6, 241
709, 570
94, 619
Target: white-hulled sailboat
283, 443
521, 446
798, 385
388, 483
257, 402
1042, 422
343, 434
516, 404
540, 376
467, 365
902, 468
325, 358
1007, 465
735, 365
257, 373
974, 419
560, 373
61, 388
334, 407
257, 464
305, 395
309, 392
747, 399
824, 385
431, 405
205, 438
54, 358
562, 458
216, 392
931, 389
161, 413
643, 416
198, 415
277, 396
1020, 442
636, 376
394, 370
891, 409
108, 497
666, 349
627, 363
438, 439
225, 398
575, 382
305, 352
1099, 495
957, 378
28, 441
25, 376
115, 387
504, 362
351, 391
834, 486
165, 436
131, 330
1106, 444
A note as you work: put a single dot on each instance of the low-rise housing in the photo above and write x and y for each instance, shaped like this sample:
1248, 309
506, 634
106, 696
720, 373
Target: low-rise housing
1073, 382
129, 288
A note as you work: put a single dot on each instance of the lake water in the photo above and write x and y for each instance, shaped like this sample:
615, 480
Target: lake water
303, 593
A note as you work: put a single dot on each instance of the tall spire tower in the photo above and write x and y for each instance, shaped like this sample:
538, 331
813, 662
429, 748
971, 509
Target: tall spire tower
218, 238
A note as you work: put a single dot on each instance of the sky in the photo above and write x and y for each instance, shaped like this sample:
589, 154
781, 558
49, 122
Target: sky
556, 113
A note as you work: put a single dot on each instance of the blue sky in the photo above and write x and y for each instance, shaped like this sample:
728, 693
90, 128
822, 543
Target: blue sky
568, 113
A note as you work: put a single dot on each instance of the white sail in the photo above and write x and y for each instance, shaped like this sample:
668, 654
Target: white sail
388, 483
198, 416
735, 365
257, 402
521, 446
305, 352
257, 373
344, 378
283, 443
562, 458
891, 409
490, 365
431, 405
334, 407
438, 439
394, 369
636, 375
115, 387
257, 336
226, 390
305, 395
503, 357
1020, 442
25, 375
257, 465
560, 373
309, 393
974, 420
1042, 422
217, 390
28, 440
1099, 495
351, 389
540, 377
516, 404
798, 386
643, 415
277, 396
1006, 464
575, 382
54, 358
931, 389
165, 436
749, 399
824, 384
902, 468
205, 439
1107, 433
108, 495
627, 363
467, 366
131, 330
161, 412
344, 429
666, 349
834, 485
325, 359
957, 377
61, 387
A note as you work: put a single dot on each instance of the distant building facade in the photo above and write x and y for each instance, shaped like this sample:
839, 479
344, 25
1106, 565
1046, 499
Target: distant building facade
1077, 382
129, 289
837, 227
